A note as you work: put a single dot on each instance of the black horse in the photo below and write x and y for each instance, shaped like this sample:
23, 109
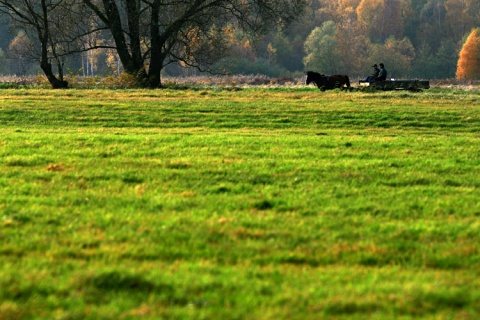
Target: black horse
324, 82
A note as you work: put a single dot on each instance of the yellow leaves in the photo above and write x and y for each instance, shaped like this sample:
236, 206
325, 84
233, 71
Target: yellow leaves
11, 310
468, 67
272, 53
229, 33
246, 44
368, 11
8, 222
143, 310
20, 46
335, 10
140, 189
55, 167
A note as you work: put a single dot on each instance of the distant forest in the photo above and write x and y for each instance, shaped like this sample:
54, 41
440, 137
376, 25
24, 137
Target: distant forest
414, 38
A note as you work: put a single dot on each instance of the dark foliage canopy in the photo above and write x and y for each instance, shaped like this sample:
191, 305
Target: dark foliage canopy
147, 34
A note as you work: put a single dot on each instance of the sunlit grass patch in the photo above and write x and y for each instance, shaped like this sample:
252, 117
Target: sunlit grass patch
239, 204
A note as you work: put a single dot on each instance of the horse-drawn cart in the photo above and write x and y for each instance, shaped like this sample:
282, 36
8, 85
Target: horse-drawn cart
412, 85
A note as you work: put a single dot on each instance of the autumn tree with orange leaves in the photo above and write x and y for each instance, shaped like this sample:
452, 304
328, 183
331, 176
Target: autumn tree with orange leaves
468, 67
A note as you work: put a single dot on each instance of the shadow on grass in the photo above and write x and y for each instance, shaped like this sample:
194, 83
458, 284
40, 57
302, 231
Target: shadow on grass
107, 285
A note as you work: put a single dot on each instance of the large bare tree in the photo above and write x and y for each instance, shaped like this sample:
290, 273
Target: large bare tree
46, 23
150, 34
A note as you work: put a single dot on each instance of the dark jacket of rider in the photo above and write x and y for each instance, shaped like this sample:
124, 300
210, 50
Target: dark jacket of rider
382, 76
376, 71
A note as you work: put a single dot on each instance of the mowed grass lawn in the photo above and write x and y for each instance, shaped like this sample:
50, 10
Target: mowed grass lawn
239, 204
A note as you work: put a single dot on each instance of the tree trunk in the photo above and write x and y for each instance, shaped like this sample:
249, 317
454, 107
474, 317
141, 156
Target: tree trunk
46, 66
156, 60
131, 57
56, 83
154, 80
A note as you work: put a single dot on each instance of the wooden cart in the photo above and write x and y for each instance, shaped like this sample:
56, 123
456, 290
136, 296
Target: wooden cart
411, 85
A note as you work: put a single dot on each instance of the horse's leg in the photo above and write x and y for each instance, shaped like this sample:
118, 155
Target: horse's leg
347, 81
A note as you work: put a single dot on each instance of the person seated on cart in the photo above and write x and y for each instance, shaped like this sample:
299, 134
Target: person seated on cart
374, 75
382, 75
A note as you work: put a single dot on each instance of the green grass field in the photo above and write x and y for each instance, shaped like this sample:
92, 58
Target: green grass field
239, 204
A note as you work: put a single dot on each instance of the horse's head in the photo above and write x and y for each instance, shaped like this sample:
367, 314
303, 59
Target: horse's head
309, 78
312, 77
315, 77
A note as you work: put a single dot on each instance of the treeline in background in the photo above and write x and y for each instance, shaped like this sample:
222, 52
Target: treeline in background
414, 38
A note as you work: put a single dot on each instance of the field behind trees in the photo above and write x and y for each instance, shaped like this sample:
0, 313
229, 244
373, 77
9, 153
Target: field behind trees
230, 203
